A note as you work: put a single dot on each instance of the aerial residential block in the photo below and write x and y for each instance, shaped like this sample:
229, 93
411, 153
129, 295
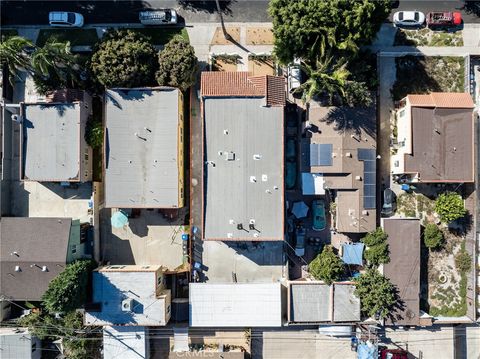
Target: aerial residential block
52, 144
144, 148
243, 120
435, 139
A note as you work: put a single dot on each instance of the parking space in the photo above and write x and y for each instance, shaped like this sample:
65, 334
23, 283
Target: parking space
150, 237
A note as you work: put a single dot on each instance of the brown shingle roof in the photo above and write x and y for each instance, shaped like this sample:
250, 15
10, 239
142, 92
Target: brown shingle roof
242, 84
442, 100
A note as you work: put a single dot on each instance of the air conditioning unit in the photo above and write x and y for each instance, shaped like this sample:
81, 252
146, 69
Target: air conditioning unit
127, 305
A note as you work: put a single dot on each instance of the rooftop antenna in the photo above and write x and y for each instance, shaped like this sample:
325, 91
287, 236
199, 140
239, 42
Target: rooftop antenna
14, 253
140, 137
147, 129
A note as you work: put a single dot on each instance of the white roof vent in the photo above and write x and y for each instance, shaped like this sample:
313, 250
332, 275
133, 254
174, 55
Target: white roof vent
251, 221
257, 157
127, 305
44, 269
229, 235
365, 212
225, 132
230, 156
253, 179
231, 221
220, 153
264, 178
358, 178
17, 269
348, 154
255, 235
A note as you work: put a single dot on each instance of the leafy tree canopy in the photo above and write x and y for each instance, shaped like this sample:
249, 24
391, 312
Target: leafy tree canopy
377, 251
68, 290
326, 266
124, 58
301, 27
463, 261
432, 236
376, 293
449, 206
178, 64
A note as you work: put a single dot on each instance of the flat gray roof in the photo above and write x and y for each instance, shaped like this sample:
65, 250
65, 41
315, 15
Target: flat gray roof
346, 306
51, 142
244, 170
141, 148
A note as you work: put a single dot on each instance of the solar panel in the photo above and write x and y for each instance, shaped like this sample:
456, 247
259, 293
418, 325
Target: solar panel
321, 154
369, 158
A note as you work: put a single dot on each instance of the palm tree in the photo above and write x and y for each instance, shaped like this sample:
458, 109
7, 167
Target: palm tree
53, 58
327, 76
14, 56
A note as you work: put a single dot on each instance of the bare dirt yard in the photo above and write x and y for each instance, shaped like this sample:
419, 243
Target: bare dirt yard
259, 36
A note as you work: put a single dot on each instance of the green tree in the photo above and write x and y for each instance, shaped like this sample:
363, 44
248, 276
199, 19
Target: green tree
301, 27
449, 206
14, 56
432, 236
68, 290
326, 266
178, 64
94, 133
376, 293
377, 251
79, 342
124, 58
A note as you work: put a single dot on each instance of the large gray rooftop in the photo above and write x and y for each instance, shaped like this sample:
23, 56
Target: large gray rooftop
51, 142
243, 170
141, 148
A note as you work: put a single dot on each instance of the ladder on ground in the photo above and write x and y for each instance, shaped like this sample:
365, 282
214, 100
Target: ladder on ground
180, 339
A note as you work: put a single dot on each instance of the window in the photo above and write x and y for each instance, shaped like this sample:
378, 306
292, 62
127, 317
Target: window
74, 249
168, 310
401, 113
34, 346
396, 164
159, 279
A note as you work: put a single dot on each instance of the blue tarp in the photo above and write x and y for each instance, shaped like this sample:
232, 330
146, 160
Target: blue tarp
352, 253
367, 351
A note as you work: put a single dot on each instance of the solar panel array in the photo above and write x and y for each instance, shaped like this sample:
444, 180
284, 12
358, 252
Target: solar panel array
321, 154
369, 158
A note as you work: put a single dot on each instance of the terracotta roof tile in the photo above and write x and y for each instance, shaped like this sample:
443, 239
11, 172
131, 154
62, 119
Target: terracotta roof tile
442, 100
242, 84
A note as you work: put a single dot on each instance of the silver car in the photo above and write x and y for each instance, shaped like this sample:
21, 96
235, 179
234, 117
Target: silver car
65, 19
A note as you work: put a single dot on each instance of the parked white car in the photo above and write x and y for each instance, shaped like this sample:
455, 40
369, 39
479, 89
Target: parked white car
65, 19
158, 17
294, 75
408, 18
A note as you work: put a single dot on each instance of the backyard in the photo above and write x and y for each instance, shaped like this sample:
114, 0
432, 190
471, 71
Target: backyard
419, 75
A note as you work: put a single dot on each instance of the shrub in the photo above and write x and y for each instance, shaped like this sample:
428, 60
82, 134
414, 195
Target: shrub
463, 261
326, 266
449, 206
94, 133
68, 290
376, 293
432, 236
124, 58
178, 64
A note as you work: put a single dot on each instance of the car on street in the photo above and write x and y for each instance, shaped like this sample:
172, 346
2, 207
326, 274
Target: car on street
65, 19
291, 149
442, 19
300, 241
389, 203
318, 213
408, 18
294, 76
158, 17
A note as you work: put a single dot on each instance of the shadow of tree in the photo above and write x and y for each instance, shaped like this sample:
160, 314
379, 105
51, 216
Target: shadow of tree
208, 6
346, 119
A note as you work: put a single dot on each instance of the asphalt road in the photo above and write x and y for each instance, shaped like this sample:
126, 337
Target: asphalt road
122, 11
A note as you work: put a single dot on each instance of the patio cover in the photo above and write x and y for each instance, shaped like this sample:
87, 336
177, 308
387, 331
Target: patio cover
352, 253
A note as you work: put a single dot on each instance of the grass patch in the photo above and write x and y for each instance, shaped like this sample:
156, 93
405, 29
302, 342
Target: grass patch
77, 37
406, 204
160, 36
427, 37
5, 34
420, 75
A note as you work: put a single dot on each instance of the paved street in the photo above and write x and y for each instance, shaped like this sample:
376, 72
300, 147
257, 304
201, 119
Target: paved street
16, 13
437, 5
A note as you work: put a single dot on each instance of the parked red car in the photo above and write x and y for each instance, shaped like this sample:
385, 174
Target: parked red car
441, 19
394, 354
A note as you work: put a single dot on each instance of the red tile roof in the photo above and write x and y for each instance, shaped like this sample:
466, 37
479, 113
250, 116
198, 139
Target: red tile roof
242, 84
442, 100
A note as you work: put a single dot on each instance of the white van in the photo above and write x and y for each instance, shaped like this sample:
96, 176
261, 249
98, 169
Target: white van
158, 17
